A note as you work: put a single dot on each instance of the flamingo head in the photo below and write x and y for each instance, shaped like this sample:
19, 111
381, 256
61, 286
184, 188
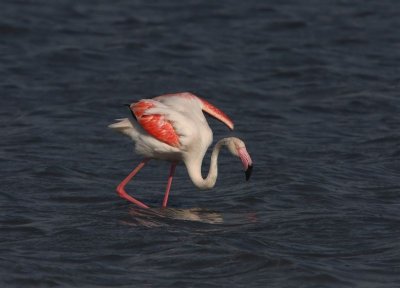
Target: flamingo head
238, 149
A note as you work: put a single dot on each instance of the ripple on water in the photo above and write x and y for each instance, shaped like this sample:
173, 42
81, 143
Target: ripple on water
312, 88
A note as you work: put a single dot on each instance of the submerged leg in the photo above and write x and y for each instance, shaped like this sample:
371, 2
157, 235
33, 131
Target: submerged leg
121, 187
171, 175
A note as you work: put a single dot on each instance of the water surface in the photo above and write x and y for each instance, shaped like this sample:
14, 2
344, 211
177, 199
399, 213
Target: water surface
313, 89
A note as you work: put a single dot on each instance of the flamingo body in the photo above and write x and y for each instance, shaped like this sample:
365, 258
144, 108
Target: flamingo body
172, 127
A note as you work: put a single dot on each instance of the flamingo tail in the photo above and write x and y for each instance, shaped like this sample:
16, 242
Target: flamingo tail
123, 126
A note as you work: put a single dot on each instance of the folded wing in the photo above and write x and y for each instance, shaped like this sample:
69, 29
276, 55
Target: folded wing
157, 125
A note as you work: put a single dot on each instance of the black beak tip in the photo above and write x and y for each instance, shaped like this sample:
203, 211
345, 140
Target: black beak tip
248, 172
128, 105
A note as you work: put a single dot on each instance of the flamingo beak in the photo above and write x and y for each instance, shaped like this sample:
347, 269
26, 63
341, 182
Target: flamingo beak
248, 172
246, 161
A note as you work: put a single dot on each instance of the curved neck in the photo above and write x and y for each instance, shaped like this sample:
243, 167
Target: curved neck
193, 166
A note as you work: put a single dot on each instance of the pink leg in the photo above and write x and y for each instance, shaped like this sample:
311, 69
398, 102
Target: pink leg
121, 187
171, 175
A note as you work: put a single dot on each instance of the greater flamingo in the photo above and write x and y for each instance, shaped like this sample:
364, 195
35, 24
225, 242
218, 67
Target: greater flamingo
172, 127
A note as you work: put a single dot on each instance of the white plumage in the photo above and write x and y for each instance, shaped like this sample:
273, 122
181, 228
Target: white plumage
173, 128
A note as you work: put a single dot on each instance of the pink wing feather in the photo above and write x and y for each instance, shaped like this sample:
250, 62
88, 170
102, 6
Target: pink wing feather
205, 106
155, 124
216, 113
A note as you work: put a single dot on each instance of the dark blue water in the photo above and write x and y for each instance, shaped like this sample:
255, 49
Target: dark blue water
313, 89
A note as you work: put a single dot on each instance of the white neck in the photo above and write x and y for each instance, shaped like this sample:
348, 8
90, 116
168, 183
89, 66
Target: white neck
194, 168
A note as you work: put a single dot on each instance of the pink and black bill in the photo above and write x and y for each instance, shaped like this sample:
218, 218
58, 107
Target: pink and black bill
248, 172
